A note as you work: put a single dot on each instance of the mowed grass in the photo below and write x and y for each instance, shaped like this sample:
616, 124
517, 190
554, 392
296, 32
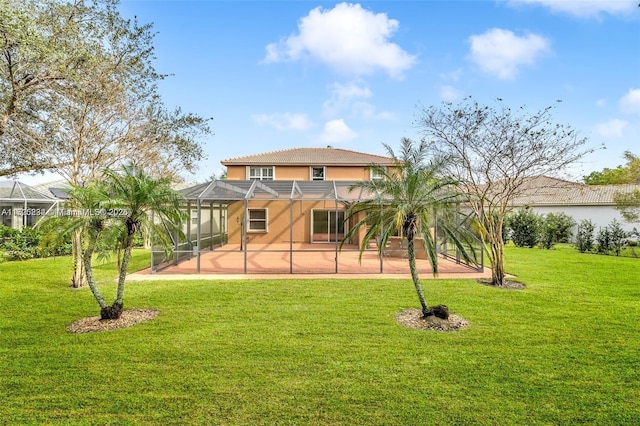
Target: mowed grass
303, 351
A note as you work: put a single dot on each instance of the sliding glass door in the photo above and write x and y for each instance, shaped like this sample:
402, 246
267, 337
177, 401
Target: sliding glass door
323, 226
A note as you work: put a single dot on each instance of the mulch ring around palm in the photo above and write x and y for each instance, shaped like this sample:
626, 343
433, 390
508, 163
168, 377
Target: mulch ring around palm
413, 318
127, 319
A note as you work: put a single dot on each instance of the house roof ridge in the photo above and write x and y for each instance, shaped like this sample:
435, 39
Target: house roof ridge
616, 185
308, 156
553, 178
275, 151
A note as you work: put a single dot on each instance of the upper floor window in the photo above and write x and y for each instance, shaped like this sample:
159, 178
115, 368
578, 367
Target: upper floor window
317, 173
261, 173
376, 175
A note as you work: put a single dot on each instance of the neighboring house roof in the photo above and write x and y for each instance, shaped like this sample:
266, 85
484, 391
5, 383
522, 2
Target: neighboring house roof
58, 188
548, 191
310, 157
16, 191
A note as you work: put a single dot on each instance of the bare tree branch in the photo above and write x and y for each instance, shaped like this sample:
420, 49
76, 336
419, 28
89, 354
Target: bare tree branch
494, 151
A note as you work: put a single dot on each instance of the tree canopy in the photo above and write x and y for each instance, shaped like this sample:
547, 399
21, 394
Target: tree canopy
78, 93
627, 201
628, 173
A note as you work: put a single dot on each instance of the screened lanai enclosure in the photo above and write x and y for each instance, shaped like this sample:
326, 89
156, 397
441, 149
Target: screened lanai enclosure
286, 227
22, 205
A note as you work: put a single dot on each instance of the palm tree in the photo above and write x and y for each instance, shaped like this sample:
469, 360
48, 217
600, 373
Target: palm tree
111, 212
405, 201
136, 195
86, 216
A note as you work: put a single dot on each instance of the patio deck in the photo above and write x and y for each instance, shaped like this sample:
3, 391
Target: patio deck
305, 261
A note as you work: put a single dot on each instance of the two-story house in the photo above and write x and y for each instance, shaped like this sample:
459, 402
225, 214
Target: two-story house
315, 179
275, 200
283, 209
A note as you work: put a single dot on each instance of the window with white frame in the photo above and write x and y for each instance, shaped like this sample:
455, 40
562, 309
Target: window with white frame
317, 173
376, 175
257, 220
261, 173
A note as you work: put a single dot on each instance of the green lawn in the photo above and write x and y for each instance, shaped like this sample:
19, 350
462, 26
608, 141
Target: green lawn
564, 351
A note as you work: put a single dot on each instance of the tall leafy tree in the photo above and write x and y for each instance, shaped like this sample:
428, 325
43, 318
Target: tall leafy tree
410, 198
493, 152
78, 94
627, 199
35, 59
47, 49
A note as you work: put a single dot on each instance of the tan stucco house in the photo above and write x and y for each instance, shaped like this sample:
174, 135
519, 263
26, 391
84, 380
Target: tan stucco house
277, 199
279, 204
318, 216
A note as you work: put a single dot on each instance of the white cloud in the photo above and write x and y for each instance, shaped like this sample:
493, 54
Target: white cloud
350, 98
450, 94
336, 131
585, 8
284, 121
368, 111
500, 52
343, 96
453, 75
630, 103
601, 102
611, 129
348, 39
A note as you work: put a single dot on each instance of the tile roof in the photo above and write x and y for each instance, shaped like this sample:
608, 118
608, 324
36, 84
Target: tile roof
309, 157
547, 191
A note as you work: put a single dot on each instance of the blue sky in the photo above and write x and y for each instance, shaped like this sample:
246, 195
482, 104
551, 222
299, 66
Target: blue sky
284, 74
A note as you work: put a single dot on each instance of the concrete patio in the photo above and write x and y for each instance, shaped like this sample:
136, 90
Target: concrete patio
304, 261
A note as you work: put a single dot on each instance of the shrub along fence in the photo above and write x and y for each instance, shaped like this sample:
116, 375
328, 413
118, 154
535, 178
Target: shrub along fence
528, 229
25, 244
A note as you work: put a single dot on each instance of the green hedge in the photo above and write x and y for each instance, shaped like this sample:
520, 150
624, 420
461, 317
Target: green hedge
25, 244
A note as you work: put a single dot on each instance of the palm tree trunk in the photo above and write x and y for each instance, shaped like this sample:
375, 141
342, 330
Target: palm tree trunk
414, 276
86, 257
123, 269
79, 278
